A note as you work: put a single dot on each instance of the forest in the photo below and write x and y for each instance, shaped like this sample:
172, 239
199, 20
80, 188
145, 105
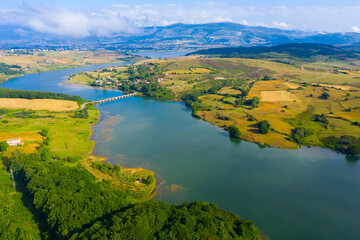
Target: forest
73, 205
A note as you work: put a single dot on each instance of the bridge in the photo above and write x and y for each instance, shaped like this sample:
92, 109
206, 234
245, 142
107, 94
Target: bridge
115, 98
106, 100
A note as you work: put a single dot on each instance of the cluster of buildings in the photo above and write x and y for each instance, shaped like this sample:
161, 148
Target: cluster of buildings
114, 82
15, 142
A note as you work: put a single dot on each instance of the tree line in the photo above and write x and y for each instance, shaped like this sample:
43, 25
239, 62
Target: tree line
13, 93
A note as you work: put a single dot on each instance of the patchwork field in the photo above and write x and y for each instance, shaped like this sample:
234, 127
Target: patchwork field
38, 104
321, 100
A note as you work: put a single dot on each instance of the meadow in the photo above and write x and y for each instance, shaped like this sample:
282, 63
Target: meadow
67, 138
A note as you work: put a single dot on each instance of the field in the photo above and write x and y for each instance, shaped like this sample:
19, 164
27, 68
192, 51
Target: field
39, 61
285, 110
220, 91
292, 98
69, 139
38, 104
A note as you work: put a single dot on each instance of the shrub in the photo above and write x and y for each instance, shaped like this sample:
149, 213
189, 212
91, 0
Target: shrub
353, 150
299, 133
3, 146
83, 113
321, 118
234, 132
149, 180
255, 102
325, 95
264, 126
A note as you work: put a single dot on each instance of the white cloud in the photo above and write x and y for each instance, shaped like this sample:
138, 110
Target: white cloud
123, 18
280, 25
355, 29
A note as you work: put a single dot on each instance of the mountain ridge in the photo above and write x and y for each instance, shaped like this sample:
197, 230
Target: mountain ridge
175, 37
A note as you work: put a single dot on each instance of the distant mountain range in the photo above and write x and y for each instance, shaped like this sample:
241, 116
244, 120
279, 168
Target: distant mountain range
177, 36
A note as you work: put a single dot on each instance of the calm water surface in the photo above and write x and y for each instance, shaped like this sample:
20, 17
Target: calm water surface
311, 193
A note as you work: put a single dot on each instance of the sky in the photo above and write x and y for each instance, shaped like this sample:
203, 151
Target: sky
80, 18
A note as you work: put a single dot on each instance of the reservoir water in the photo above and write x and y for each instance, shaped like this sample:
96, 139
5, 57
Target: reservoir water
310, 193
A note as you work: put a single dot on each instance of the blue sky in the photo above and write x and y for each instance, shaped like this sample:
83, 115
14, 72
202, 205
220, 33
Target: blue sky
80, 18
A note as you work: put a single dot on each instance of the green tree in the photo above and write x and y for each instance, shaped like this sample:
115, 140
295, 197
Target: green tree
3, 146
353, 149
234, 132
266, 78
264, 126
255, 102
325, 95
299, 133
83, 113
44, 132
239, 101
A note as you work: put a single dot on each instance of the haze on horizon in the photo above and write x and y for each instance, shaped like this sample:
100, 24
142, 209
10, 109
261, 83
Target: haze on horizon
104, 18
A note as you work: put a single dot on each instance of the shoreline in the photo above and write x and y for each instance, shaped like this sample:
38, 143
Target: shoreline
90, 157
58, 68
298, 146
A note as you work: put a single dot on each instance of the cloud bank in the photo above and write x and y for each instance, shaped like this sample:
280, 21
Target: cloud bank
128, 19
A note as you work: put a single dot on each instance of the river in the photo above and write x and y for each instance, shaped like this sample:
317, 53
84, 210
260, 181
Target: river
310, 193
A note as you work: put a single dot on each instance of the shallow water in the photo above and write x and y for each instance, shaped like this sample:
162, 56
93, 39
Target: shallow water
310, 193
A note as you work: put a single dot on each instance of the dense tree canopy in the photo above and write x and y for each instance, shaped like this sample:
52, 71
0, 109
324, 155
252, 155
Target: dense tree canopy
158, 220
75, 206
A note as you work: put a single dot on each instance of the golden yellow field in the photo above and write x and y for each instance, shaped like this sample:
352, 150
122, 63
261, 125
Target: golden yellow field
38, 104
277, 96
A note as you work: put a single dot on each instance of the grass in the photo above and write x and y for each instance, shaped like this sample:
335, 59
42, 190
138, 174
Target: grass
80, 79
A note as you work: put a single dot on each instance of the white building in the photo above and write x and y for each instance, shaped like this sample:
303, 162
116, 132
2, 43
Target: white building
14, 142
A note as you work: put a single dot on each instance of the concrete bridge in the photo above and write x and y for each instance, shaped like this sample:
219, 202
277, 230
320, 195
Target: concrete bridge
115, 98
104, 100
